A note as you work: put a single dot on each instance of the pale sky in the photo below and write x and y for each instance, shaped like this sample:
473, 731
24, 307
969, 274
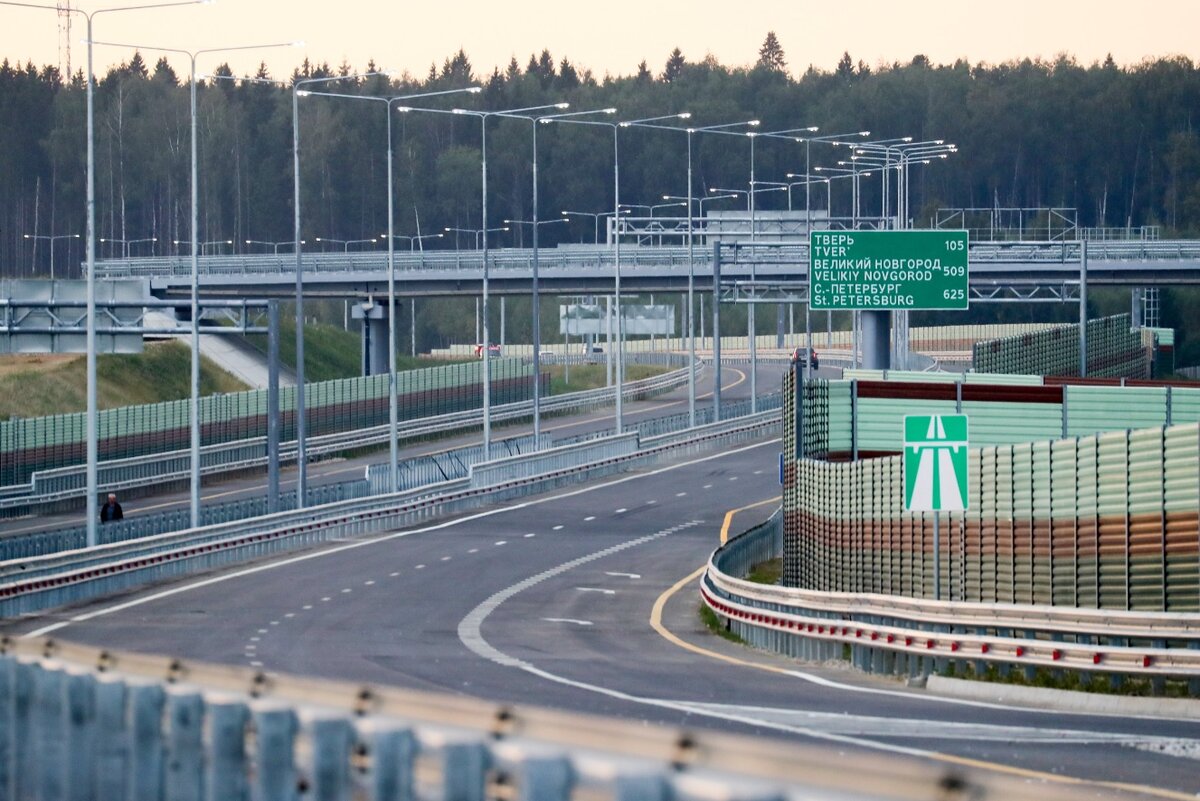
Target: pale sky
614, 35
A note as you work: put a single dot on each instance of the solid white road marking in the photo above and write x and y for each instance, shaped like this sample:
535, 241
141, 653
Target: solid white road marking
567, 620
273, 565
623, 575
597, 589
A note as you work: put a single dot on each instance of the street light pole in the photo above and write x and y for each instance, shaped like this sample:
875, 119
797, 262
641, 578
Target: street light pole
536, 310
52, 240
92, 479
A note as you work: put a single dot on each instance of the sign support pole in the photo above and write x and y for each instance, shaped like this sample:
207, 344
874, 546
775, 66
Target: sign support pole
937, 556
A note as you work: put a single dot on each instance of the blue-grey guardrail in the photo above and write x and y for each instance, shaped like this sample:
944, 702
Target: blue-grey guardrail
28, 585
64, 483
91, 723
916, 636
414, 472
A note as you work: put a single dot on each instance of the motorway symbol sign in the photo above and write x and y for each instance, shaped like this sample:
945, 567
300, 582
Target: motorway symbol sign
886, 270
935, 463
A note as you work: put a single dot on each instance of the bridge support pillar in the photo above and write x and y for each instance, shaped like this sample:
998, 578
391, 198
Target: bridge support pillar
876, 336
374, 336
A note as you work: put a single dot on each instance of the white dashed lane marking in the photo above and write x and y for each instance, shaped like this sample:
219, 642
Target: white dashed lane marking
368, 583
420, 567
597, 589
558, 528
567, 620
622, 510
502, 542
473, 550
680, 494
445, 558
589, 518
530, 534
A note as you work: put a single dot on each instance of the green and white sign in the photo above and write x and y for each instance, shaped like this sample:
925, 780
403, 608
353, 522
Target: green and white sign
935, 463
886, 270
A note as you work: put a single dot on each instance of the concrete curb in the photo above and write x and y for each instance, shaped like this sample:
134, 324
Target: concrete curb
1065, 700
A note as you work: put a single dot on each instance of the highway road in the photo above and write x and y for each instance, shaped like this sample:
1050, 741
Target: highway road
585, 599
219, 489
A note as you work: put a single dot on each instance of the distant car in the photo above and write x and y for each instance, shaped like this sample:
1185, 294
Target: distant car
546, 355
493, 351
800, 357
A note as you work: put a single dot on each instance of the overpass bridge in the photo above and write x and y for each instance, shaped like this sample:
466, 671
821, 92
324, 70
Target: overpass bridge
1000, 271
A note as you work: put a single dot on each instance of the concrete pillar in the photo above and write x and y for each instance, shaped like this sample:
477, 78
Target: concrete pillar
374, 336
875, 340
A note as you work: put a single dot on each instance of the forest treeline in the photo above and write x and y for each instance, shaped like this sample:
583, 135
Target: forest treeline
1119, 143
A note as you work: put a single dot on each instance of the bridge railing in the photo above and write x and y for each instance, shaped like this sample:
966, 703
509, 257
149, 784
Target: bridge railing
632, 256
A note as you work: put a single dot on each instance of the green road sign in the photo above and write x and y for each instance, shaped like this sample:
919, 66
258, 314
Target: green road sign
935, 463
884, 270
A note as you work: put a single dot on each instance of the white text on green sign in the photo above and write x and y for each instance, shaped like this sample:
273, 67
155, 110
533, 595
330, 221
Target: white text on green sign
935, 463
885, 270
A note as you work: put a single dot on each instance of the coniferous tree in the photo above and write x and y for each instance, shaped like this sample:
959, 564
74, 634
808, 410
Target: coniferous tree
674, 66
770, 55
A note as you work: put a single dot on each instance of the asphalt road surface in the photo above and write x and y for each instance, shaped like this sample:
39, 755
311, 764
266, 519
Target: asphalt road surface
220, 489
553, 602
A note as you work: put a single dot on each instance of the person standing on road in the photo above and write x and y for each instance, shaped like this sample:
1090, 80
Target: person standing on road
111, 510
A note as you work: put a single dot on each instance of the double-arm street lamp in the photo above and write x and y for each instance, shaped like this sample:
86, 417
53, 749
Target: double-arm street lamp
616, 127
52, 240
345, 243
126, 243
536, 319
274, 245
483, 117
194, 401
414, 240
476, 233
390, 238
92, 404
596, 218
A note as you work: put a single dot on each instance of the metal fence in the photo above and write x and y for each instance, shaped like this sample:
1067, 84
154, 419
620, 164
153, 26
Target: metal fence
87, 723
1114, 350
29, 445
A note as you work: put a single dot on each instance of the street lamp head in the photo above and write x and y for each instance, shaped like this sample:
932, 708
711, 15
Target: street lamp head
27, 236
403, 109
474, 90
562, 105
754, 123
458, 111
610, 110
298, 43
446, 229
864, 133
302, 93
684, 115
625, 124
906, 139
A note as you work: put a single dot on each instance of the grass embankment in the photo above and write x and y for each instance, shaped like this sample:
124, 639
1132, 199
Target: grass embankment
592, 376
36, 385
331, 352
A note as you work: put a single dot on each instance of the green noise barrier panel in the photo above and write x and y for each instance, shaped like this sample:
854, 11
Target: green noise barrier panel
1099, 520
42, 443
1114, 349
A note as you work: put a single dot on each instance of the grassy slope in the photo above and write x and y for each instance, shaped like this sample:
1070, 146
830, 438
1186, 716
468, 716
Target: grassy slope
56, 386
329, 352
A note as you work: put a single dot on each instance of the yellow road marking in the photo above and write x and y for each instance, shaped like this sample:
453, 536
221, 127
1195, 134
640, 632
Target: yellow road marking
656, 614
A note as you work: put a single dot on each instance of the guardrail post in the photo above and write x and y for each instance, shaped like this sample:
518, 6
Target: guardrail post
79, 717
146, 741
185, 746
111, 750
640, 788
47, 734
464, 772
225, 776
329, 755
275, 777
392, 755
8, 739
24, 756
545, 779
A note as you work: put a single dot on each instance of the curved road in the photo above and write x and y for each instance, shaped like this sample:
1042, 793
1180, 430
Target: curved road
550, 602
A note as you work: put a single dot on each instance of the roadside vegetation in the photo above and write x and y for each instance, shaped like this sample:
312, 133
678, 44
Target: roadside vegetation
35, 385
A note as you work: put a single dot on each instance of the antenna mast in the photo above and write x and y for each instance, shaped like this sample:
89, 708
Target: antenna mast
64, 39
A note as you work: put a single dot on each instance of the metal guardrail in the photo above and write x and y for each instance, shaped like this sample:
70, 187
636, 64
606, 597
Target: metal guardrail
179, 729
632, 257
894, 634
415, 472
37, 583
64, 483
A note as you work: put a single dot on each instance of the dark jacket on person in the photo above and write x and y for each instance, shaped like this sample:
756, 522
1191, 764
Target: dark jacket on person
111, 511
